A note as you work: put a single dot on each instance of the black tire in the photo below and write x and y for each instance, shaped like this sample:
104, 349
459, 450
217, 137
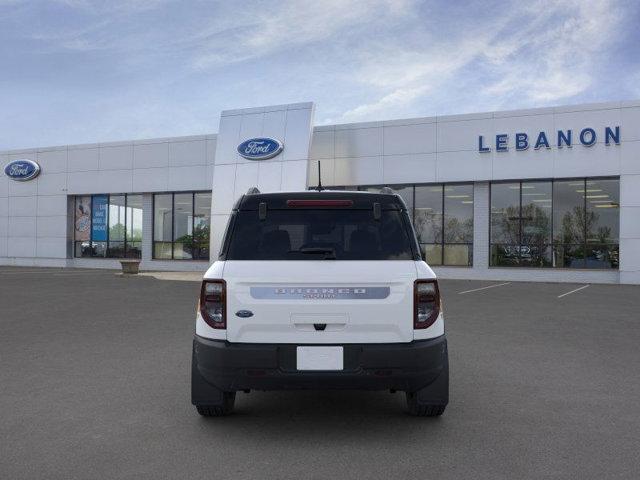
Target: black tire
224, 408
420, 410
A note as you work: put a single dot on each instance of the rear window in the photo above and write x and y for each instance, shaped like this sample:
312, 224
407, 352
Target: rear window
320, 234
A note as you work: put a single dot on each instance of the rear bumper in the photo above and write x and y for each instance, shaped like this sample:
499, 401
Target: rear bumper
397, 366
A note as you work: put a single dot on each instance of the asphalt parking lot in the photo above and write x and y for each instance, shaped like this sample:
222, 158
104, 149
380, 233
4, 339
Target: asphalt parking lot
94, 383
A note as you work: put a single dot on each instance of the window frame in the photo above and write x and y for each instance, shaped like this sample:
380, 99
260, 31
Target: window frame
553, 243
107, 241
520, 218
444, 215
173, 210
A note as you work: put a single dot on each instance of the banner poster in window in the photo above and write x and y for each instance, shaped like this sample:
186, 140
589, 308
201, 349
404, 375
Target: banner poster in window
99, 220
83, 219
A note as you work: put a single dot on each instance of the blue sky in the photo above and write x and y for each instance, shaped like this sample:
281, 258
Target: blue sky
77, 71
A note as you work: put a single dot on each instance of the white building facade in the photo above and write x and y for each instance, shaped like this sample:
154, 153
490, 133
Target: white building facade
549, 194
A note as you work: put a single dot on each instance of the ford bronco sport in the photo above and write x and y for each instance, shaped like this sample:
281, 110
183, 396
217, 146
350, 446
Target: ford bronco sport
319, 290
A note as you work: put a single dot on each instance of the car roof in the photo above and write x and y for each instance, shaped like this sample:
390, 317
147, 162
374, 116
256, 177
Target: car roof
361, 200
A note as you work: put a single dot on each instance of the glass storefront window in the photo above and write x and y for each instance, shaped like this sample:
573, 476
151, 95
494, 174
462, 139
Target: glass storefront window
535, 230
442, 216
82, 226
117, 219
569, 223
181, 225
428, 213
108, 226
568, 256
428, 221
564, 223
568, 212
505, 223
201, 225
458, 225
162, 225
603, 223
134, 226
99, 225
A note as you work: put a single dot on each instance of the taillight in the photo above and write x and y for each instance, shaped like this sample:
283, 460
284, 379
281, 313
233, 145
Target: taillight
426, 303
213, 299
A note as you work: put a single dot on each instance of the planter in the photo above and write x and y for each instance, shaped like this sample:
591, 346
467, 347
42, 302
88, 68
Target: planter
130, 266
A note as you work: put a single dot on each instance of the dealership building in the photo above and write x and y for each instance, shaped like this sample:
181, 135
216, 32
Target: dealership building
547, 194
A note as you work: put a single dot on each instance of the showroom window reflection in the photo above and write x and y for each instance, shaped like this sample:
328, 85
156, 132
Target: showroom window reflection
108, 226
562, 224
181, 225
443, 219
442, 216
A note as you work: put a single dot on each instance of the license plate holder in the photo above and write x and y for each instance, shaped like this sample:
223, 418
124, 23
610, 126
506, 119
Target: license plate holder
320, 358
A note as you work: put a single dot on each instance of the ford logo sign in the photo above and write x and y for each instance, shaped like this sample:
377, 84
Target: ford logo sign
260, 148
22, 170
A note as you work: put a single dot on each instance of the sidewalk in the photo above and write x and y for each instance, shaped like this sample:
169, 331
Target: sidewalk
175, 276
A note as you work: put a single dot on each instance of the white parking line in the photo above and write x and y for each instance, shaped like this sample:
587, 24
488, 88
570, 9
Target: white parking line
39, 272
56, 273
70, 274
22, 271
484, 288
573, 291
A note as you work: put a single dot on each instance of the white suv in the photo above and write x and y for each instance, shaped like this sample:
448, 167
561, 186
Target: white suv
319, 290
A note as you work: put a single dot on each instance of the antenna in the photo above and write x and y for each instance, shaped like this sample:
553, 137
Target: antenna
319, 187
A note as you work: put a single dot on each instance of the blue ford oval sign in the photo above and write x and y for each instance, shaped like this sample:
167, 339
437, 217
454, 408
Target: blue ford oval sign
22, 170
260, 148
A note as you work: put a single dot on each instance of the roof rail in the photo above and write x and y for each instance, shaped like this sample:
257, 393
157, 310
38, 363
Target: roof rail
253, 191
387, 191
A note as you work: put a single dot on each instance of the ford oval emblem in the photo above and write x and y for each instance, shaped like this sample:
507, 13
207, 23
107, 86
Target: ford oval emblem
244, 313
260, 148
22, 170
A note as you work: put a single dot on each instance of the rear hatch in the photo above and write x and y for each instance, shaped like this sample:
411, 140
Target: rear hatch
325, 269
320, 301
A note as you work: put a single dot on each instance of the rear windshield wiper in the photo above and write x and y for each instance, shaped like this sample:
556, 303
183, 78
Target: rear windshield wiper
329, 253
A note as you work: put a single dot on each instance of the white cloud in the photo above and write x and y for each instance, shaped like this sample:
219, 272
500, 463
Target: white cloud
406, 76
160, 68
397, 98
555, 63
288, 24
544, 52
112, 6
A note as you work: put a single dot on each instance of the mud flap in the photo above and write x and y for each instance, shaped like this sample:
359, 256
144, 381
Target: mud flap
437, 392
202, 392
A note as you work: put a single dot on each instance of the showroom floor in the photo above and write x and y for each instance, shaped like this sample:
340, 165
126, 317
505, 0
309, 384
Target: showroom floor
94, 376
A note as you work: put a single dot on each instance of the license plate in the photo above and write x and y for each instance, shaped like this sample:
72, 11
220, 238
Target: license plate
320, 358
